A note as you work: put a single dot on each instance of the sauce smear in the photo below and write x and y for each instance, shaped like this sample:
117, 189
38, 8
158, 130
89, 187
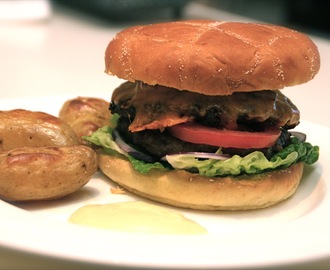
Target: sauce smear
135, 216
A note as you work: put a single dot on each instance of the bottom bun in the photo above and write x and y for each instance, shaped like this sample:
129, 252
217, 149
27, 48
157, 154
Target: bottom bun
183, 189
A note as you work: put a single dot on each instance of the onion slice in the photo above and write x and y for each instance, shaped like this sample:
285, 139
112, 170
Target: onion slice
201, 155
300, 135
148, 158
131, 150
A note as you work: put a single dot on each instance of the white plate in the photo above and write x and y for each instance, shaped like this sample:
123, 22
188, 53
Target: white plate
295, 231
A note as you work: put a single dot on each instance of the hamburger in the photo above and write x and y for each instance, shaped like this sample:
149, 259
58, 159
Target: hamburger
200, 121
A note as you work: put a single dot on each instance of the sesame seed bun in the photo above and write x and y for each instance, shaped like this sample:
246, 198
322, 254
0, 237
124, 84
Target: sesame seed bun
210, 58
213, 57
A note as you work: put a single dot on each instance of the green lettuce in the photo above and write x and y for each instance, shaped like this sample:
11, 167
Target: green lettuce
144, 167
256, 162
103, 137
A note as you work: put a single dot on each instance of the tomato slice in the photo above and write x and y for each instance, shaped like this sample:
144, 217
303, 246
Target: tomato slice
199, 134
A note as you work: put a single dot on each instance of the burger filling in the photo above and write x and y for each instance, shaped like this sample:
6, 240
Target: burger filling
165, 128
150, 117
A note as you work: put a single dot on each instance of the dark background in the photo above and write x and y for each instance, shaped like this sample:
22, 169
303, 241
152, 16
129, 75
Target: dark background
308, 15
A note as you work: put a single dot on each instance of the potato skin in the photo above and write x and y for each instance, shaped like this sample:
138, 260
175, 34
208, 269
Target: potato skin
19, 128
85, 115
44, 173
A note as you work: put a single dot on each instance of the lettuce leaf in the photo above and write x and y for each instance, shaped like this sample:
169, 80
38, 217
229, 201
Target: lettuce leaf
103, 137
144, 167
256, 162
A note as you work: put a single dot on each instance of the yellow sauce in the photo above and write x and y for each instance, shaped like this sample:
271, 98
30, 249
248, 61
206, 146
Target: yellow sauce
135, 217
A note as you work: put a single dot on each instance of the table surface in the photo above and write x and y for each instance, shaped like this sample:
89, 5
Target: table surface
64, 54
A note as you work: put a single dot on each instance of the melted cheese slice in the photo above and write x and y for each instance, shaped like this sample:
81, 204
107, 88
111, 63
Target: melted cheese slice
158, 107
135, 217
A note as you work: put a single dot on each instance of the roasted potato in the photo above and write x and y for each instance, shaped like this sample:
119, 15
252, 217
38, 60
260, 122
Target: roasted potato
85, 115
43, 173
20, 128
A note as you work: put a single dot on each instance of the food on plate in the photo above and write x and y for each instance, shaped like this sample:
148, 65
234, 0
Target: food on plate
41, 157
43, 173
19, 128
85, 115
201, 122
135, 216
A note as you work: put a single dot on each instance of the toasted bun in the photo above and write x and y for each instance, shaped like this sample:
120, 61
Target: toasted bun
213, 57
183, 189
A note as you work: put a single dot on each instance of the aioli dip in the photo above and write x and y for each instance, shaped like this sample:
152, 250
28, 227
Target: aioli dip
135, 217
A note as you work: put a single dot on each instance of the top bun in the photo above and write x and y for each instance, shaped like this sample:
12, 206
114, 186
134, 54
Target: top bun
213, 57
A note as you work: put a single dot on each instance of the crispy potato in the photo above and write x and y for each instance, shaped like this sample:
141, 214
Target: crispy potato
19, 128
85, 115
43, 173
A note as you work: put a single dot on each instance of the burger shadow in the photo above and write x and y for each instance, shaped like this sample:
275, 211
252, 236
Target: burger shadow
309, 195
81, 196
75, 198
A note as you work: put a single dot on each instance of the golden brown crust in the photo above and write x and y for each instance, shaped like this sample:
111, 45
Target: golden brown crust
183, 189
212, 57
85, 115
19, 128
44, 173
